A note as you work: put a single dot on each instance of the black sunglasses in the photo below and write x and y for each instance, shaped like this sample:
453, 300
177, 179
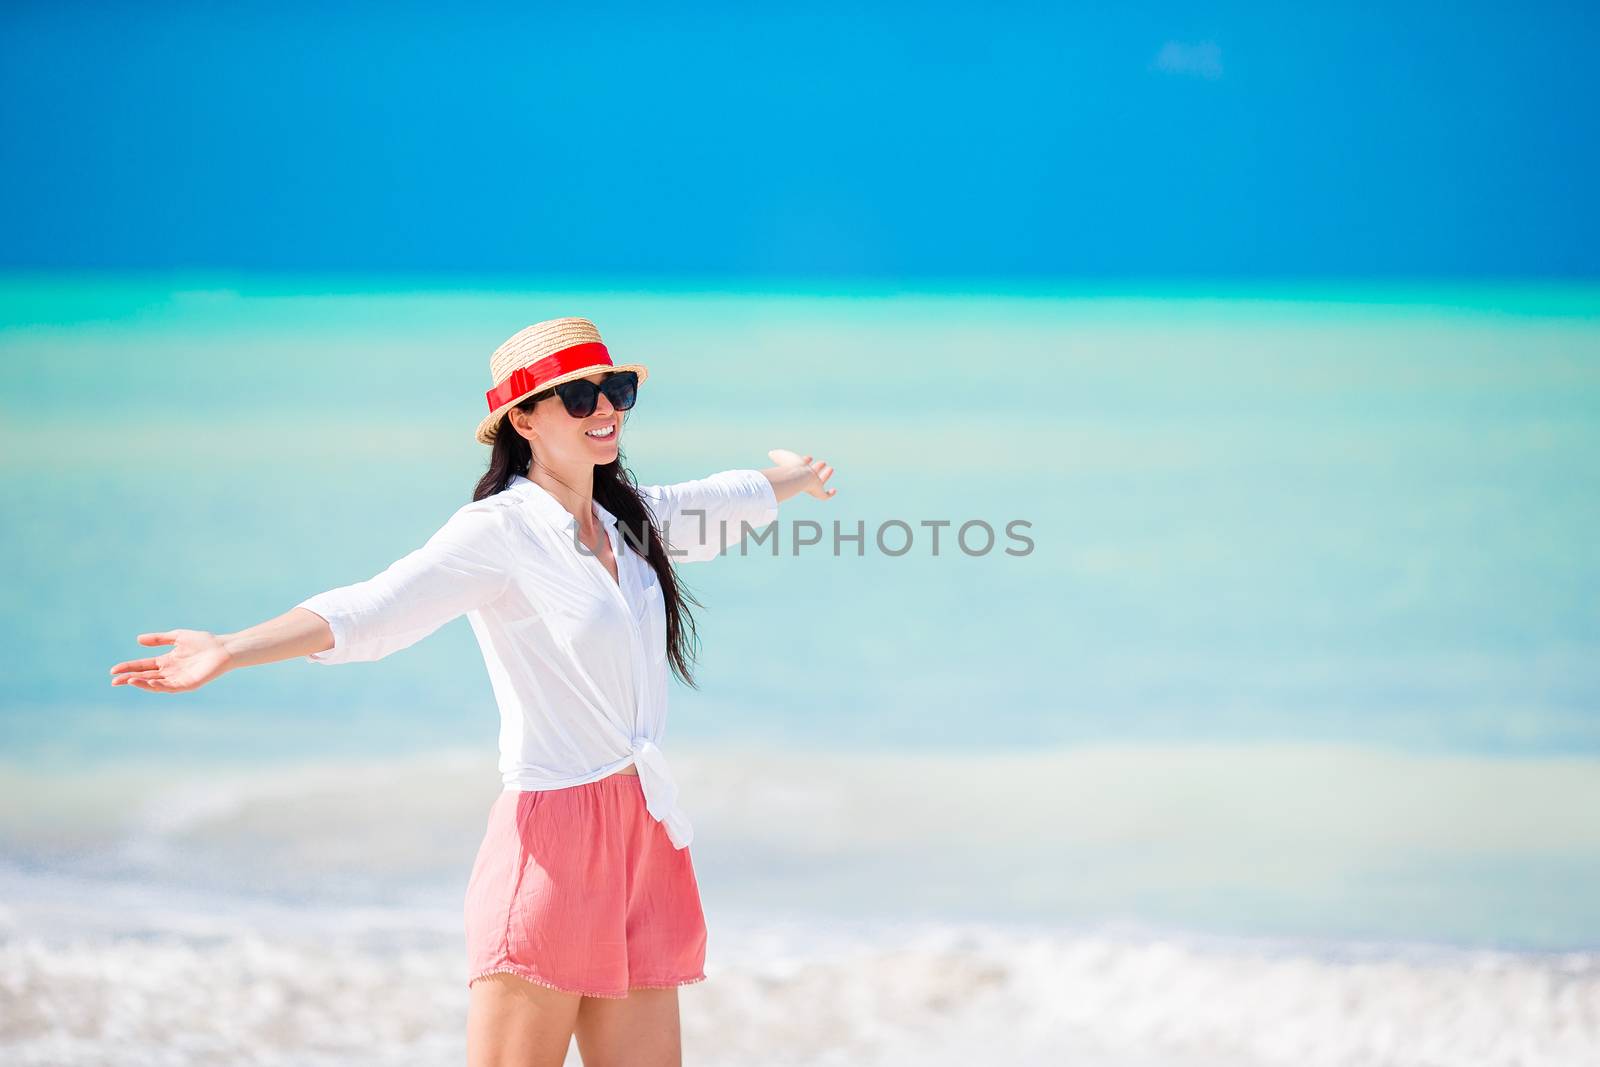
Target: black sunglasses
580, 396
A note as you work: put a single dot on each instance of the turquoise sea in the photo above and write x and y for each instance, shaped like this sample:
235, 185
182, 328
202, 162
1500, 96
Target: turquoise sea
1281, 745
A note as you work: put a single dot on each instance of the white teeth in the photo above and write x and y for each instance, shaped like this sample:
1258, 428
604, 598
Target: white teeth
607, 432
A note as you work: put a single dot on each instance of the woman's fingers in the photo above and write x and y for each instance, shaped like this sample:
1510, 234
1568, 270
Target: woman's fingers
821, 468
133, 665
823, 472
142, 672
131, 677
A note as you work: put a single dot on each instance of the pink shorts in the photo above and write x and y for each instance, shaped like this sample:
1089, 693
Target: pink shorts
579, 889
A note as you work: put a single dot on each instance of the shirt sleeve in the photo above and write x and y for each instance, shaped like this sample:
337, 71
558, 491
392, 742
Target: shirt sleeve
465, 565
699, 518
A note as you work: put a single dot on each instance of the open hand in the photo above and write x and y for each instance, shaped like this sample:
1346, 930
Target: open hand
820, 471
196, 658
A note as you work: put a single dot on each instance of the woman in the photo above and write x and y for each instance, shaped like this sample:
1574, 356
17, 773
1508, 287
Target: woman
582, 910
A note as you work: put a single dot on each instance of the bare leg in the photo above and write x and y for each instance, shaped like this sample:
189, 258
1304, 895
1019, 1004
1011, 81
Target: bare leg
511, 1021
640, 1030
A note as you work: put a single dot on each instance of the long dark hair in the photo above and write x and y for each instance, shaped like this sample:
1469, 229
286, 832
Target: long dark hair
616, 491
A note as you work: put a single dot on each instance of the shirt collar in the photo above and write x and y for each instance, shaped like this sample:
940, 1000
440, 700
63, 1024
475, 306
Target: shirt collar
539, 498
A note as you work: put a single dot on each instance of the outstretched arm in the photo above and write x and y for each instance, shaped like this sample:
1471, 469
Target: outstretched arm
700, 518
465, 564
199, 656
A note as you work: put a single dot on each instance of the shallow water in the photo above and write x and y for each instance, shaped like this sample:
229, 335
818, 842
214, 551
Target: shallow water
1131, 905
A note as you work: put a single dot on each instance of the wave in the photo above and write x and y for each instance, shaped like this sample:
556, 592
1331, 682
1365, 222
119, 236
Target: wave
1343, 841
265, 983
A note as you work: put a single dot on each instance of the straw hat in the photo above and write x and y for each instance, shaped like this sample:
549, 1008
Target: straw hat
539, 357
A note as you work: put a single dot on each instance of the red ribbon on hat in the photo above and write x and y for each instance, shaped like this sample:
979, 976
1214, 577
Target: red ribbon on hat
528, 379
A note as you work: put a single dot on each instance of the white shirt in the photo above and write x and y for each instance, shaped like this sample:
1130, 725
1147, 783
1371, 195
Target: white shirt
578, 664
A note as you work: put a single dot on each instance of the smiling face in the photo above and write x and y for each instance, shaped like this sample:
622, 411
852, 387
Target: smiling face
563, 442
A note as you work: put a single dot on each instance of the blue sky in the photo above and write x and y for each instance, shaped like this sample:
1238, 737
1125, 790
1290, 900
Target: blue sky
927, 141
